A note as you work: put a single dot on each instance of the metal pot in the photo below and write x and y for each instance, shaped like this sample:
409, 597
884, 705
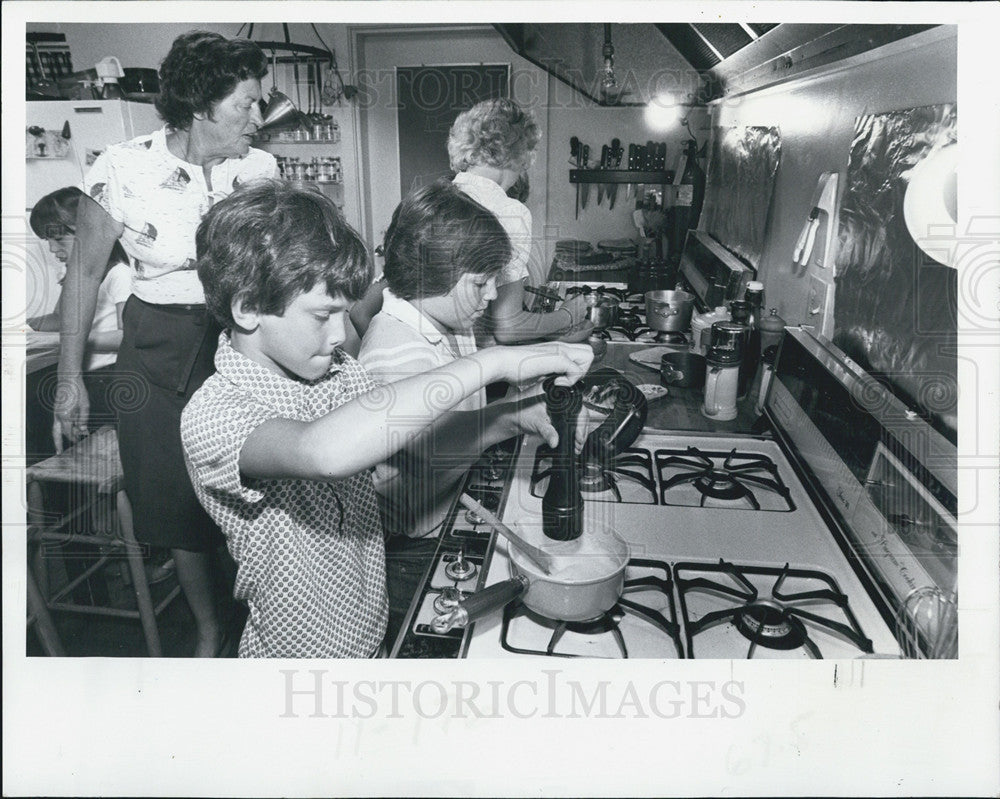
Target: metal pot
587, 580
669, 311
603, 311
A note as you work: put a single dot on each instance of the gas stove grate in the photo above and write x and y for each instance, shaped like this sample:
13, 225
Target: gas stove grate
731, 477
628, 478
779, 621
609, 622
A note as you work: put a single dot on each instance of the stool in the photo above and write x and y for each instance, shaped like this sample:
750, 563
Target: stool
92, 464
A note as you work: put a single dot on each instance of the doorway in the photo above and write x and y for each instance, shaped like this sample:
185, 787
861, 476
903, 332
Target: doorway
384, 134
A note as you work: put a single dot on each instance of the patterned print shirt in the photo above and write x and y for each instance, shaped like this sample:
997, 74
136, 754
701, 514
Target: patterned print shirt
160, 200
310, 554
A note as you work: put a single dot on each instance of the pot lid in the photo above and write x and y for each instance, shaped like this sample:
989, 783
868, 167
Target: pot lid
617, 245
572, 246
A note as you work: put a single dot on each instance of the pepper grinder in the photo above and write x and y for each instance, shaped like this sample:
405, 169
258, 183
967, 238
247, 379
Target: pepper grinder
562, 505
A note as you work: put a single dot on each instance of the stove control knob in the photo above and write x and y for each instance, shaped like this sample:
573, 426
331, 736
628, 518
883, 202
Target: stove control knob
447, 599
460, 568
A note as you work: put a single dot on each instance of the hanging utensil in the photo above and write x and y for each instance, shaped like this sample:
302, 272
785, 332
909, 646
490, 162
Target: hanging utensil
615, 163
585, 158
930, 612
604, 165
574, 151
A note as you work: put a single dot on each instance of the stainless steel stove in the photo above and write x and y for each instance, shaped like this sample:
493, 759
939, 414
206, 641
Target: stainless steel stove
805, 544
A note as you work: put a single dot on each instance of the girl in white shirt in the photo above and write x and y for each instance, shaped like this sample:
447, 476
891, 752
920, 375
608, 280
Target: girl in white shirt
54, 219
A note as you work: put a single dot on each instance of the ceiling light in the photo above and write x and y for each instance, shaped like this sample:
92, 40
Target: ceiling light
661, 112
608, 80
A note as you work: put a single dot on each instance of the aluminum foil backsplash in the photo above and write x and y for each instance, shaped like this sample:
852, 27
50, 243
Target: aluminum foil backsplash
896, 309
741, 176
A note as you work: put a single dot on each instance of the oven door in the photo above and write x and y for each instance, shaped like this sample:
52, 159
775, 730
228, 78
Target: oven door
886, 480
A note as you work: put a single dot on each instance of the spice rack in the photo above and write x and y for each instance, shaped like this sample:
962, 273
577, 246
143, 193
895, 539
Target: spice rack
312, 170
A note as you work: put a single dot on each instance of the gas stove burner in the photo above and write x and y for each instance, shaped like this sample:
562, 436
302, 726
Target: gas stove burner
460, 569
593, 478
720, 485
651, 336
615, 627
447, 599
726, 477
723, 596
770, 625
627, 478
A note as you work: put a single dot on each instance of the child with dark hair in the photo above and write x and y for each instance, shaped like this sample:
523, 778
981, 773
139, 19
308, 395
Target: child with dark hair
443, 255
53, 218
280, 441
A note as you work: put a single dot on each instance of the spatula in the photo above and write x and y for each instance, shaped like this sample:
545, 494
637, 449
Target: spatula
539, 557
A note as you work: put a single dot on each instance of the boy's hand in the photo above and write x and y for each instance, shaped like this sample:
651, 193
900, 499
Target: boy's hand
579, 333
581, 327
532, 418
578, 309
532, 361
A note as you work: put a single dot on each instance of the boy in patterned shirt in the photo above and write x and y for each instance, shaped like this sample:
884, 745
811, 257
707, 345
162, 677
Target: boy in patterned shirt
281, 440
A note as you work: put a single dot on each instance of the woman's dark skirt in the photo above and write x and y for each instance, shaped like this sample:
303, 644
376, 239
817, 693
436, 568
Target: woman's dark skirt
167, 352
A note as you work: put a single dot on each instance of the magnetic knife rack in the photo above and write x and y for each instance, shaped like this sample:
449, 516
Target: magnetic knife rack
644, 176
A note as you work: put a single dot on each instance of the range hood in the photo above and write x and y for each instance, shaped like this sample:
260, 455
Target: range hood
698, 62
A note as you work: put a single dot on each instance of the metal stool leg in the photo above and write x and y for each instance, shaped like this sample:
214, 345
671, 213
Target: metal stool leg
135, 563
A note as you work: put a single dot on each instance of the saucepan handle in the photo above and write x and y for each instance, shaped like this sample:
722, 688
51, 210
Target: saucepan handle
480, 604
710, 387
670, 374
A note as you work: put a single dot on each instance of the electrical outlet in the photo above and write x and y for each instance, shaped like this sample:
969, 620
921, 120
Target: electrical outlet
819, 306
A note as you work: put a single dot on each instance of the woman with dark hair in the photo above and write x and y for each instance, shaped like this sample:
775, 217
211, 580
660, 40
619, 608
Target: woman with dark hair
54, 219
150, 194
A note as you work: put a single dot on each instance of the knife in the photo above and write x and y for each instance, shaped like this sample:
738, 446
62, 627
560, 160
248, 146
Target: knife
574, 151
615, 161
604, 165
585, 155
632, 154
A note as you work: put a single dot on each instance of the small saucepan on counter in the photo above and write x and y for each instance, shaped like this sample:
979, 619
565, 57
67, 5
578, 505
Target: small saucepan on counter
683, 369
669, 311
586, 580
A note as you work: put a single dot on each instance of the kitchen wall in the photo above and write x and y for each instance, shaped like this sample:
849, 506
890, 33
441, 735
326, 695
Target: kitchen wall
561, 112
816, 118
145, 45
367, 194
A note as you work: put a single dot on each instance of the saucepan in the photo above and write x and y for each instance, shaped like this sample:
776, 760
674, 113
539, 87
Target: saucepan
669, 311
586, 580
684, 369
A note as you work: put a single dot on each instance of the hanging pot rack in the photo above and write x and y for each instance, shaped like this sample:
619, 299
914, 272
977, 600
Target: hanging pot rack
293, 53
